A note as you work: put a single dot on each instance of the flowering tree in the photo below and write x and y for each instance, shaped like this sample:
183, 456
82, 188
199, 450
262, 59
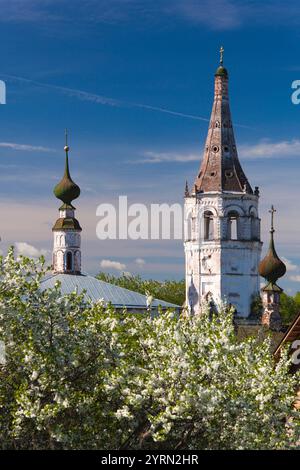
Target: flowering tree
79, 375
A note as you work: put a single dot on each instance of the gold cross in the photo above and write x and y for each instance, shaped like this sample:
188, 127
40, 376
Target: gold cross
221, 55
272, 217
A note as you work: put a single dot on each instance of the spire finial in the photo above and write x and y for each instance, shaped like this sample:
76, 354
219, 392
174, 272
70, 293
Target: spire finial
221, 55
66, 147
186, 191
272, 211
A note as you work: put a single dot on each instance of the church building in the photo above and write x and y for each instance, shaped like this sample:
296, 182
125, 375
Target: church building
66, 261
221, 221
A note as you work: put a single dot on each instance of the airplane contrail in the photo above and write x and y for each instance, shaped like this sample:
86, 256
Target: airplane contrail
100, 99
107, 101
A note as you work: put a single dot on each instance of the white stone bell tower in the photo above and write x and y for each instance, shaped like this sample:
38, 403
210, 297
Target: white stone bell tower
222, 227
66, 230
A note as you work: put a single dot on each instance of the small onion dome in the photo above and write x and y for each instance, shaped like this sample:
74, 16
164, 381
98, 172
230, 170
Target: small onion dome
221, 72
271, 267
66, 190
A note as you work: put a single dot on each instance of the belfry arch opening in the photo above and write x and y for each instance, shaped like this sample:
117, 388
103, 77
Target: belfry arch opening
69, 261
233, 225
254, 226
208, 225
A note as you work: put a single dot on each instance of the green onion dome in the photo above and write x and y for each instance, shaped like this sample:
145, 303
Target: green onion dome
271, 267
221, 72
66, 190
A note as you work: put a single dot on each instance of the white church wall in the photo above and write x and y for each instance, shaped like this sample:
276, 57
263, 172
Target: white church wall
225, 268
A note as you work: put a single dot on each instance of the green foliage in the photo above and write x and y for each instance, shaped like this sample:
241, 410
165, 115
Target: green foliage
289, 307
170, 291
256, 307
83, 376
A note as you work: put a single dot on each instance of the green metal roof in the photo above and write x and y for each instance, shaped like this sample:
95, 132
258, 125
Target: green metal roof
67, 223
221, 71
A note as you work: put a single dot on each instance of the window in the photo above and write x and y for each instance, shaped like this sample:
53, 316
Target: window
254, 231
189, 226
233, 225
208, 226
69, 261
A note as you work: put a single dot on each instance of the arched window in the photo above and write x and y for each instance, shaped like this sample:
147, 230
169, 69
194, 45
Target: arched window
208, 226
77, 261
69, 261
254, 226
189, 226
233, 218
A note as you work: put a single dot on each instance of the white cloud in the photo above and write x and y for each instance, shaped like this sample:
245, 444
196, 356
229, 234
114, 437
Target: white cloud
109, 264
25, 249
140, 261
25, 147
269, 149
220, 14
295, 278
232, 14
263, 150
290, 266
163, 157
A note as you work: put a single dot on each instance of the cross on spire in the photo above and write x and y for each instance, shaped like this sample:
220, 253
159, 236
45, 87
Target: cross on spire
67, 148
221, 55
272, 211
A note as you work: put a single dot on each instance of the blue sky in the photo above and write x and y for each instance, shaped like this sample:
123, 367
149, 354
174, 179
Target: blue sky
109, 71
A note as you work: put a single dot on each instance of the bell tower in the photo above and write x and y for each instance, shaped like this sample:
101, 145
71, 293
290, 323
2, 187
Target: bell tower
221, 222
66, 230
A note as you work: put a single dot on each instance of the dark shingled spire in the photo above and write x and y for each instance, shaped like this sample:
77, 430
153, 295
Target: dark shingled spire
220, 169
66, 190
